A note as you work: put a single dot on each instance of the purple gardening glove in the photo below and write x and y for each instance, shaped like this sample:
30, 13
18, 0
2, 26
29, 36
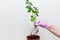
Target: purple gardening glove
43, 24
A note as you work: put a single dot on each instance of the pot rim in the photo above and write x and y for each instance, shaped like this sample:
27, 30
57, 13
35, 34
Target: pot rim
33, 36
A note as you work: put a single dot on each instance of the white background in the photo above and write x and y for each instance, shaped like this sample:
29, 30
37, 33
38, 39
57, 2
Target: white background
15, 22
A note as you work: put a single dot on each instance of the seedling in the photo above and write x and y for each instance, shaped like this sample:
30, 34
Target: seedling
33, 10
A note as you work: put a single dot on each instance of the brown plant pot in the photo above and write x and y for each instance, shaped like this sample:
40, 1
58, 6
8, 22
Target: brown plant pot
33, 37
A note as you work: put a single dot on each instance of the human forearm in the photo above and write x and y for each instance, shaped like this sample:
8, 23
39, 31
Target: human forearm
54, 30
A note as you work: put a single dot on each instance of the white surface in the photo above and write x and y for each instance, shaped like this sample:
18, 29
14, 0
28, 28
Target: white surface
15, 23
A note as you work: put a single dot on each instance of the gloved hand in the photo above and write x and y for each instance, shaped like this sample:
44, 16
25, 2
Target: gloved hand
43, 24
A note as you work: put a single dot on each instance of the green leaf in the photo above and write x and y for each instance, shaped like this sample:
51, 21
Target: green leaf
33, 11
30, 4
29, 8
36, 12
33, 19
35, 8
27, 0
